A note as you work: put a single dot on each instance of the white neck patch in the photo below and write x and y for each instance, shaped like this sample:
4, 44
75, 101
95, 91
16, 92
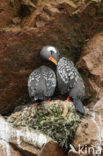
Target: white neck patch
52, 49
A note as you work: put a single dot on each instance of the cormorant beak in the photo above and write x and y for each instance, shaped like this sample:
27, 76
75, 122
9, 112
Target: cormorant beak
53, 60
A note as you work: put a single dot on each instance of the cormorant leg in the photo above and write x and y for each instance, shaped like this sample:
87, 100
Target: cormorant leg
66, 108
48, 100
68, 98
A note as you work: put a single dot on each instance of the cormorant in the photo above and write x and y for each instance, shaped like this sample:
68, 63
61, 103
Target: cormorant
41, 83
69, 80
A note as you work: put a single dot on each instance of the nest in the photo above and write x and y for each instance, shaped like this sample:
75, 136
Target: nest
48, 118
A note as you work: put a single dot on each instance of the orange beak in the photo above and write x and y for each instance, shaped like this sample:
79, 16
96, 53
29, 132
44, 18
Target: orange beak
53, 60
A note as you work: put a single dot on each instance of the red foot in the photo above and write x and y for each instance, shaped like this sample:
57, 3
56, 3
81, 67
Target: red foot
68, 98
48, 100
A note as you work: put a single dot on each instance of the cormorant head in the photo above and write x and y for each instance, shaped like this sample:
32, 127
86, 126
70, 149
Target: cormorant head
50, 53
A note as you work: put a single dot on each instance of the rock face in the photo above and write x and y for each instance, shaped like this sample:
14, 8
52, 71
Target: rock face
8, 12
89, 135
92, 64
27, 28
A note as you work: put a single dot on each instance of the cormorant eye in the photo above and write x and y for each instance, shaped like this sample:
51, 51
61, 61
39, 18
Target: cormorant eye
52, 52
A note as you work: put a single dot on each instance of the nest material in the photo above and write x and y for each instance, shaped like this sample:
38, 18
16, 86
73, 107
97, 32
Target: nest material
48, 118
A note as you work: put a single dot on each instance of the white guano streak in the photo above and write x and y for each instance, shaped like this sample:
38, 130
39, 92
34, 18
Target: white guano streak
99, 129
4, 135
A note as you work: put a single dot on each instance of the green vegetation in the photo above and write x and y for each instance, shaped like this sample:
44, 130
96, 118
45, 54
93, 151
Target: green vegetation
49, 121
53, 124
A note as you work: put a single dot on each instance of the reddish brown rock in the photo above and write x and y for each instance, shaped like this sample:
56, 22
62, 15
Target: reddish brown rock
90, 133
98, 107
4, 151
92, 64
8, 11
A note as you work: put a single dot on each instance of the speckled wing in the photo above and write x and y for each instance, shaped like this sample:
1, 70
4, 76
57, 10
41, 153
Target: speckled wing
41, 83
67, 75
50, 81
33, 84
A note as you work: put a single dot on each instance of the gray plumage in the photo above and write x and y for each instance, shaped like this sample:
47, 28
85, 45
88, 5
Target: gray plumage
70, 82
41, 83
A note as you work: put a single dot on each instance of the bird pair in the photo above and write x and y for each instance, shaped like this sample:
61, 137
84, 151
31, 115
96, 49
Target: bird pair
42, 81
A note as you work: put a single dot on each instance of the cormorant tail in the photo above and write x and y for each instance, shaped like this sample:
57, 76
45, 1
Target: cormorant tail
79, 106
